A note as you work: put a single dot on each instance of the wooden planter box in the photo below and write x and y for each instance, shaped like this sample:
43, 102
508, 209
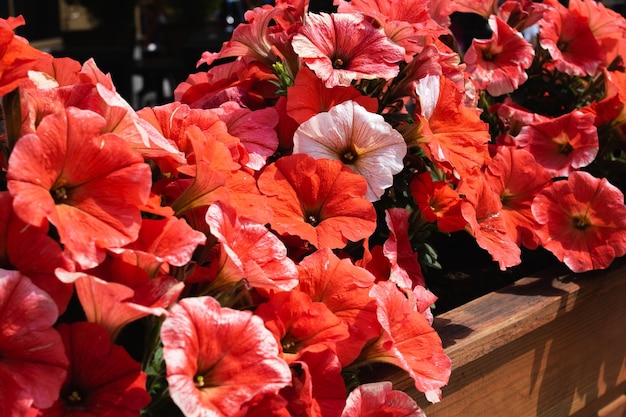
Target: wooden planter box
549, 346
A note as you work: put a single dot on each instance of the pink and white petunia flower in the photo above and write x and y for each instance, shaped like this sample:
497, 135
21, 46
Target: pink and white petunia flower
499, 64
341, 48
360, 139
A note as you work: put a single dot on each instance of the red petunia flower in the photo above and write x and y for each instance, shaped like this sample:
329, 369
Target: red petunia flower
388, 10
217, 358
482, 209
515, 117
563, 144
269, 405
499, 64
251, 250
52, 88
566, 35
607, 26
301, 325
122, 120
408, 341
216, 176
173, 121
344, 288
424, 67
517, 178
521, 15
438, 202
64, 71
583, 221
38, 101
254, 128
243, 81
424, 300
618, 85
317, 388
606, 112
32, 361
407, 23
341, 48
89, 186
245, 197
405, 269
103, 380
113, 305
308, 96
453, 136
162, 243
206, 187
264, 38
16, 55
378, 399
320, 201
31, 251
60, 83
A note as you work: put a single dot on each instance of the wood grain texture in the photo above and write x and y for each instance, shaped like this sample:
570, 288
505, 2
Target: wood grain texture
548, 346
617, 408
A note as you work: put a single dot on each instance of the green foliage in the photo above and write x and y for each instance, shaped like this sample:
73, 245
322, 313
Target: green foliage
285, 80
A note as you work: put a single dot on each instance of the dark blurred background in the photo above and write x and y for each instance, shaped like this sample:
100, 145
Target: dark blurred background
148, 46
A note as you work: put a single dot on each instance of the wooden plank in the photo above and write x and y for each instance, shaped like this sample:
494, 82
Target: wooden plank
607, 405
543, 347
616, 409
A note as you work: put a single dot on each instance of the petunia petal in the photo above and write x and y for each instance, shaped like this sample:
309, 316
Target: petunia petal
218, 358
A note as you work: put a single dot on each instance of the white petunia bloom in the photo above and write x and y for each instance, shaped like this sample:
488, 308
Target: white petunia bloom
363, 141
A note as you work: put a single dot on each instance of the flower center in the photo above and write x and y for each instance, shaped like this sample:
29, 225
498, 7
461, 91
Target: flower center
338, 63
508, 199
581, 222
59, 195
74, 397
199, 381
312, 220
488, 55
289, 344
349, 155
565, 148
204, 379
75, 400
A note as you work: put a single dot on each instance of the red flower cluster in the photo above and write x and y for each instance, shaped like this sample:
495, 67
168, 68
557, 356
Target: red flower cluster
250, 248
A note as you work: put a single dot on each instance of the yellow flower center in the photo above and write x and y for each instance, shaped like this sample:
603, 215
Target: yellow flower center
74, 397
